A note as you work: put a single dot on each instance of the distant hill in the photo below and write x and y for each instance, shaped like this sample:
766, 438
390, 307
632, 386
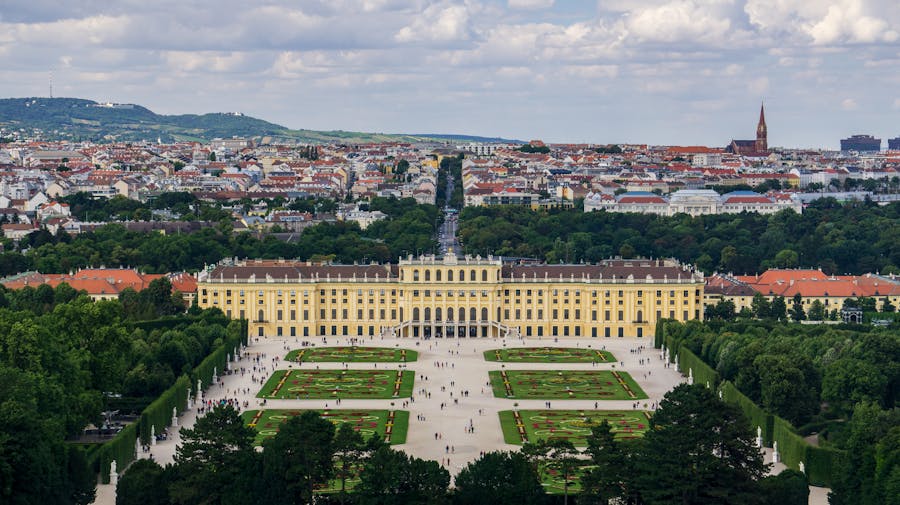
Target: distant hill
79, 119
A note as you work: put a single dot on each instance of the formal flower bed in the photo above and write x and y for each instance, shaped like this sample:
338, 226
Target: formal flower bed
550, 355
565, 384
390, 425
521, 426
333, 384
352, 354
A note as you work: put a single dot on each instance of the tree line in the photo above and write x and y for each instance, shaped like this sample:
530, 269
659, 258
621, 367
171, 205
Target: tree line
698, 450
840, 383
853, 238
409, 229
64, 359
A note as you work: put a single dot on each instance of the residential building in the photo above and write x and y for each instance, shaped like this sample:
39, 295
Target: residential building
861, 143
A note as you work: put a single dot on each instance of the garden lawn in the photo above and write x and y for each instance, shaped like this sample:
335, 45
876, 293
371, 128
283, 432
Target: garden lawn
572, 425
333, 384
565, 385
366, 422
347, 354
549, 355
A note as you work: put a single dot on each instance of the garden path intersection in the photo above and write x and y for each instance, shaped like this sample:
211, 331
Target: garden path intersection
465, 425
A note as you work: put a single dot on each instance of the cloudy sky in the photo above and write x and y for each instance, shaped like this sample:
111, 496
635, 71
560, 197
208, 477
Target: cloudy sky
655, 71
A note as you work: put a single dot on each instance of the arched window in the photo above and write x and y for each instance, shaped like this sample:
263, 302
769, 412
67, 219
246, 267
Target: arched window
415, 275
261, 317
484, 314
415, 313
640, 316
498, 313
401, 314
437, 314
427, 313
437, 275
472, 275
462, 275
449, 275
450, 314
484, 275
462, 314
473, 314
427, 275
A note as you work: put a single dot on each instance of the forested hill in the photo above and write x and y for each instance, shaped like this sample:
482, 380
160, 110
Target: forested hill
78, 119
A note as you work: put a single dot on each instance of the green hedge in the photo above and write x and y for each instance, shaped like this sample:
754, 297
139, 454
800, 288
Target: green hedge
159, 413
822, 465
756, 415
703, 373
659, 335
121, 449
216, 360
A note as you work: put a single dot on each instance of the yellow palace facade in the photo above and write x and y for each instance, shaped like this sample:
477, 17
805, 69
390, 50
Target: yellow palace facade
452, 297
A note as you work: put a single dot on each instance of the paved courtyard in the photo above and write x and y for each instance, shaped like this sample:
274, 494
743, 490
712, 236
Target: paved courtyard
451, 391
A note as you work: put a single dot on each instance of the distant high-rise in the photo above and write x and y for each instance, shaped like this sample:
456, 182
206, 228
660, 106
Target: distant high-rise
861, 143
762, 134
894, 144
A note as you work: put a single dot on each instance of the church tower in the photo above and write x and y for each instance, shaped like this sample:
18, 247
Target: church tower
762, 134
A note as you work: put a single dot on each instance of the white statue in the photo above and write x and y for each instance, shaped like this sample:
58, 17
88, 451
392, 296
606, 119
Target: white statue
691, 376
113, 475
189, 402
199, 392
174, 416
775, 455
759, 441
676, 364
802, 467
152, 435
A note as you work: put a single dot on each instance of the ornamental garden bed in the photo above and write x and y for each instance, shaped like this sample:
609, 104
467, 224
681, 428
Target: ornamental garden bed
389, 425
334, 384
352, 354
565, 385
521, 426
549, 355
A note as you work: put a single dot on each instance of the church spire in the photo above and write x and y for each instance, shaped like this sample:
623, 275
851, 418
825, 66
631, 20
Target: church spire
762, 134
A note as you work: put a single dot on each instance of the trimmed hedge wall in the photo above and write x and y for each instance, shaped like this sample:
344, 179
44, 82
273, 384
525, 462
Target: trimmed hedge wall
820, 463
121, 449
159, 413
756, 415
703, 373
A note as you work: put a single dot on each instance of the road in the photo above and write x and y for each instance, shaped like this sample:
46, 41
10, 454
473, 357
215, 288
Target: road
447, 231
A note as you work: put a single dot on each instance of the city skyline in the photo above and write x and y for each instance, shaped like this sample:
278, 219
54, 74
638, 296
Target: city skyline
660, 72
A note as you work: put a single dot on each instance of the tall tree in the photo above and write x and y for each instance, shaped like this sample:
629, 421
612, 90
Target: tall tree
563, 458
797, 312
299, 457
698, 450
349, 448
390, 477
215, 460
499, 477
606, 479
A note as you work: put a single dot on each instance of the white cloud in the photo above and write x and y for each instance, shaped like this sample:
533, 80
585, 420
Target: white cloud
849, 104
437, 23
530, 4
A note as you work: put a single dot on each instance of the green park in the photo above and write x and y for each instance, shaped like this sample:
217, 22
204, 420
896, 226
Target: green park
388, 425
334, 384
565, 384
549, 355
520, 426
352, 354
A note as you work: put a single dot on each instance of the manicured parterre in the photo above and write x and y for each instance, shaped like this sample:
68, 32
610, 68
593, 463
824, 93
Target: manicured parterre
572, 425
333, 384
352, 354
549, 355
366, 422
565, 384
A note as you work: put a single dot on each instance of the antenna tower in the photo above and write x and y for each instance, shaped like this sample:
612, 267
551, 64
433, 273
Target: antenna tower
51, 84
